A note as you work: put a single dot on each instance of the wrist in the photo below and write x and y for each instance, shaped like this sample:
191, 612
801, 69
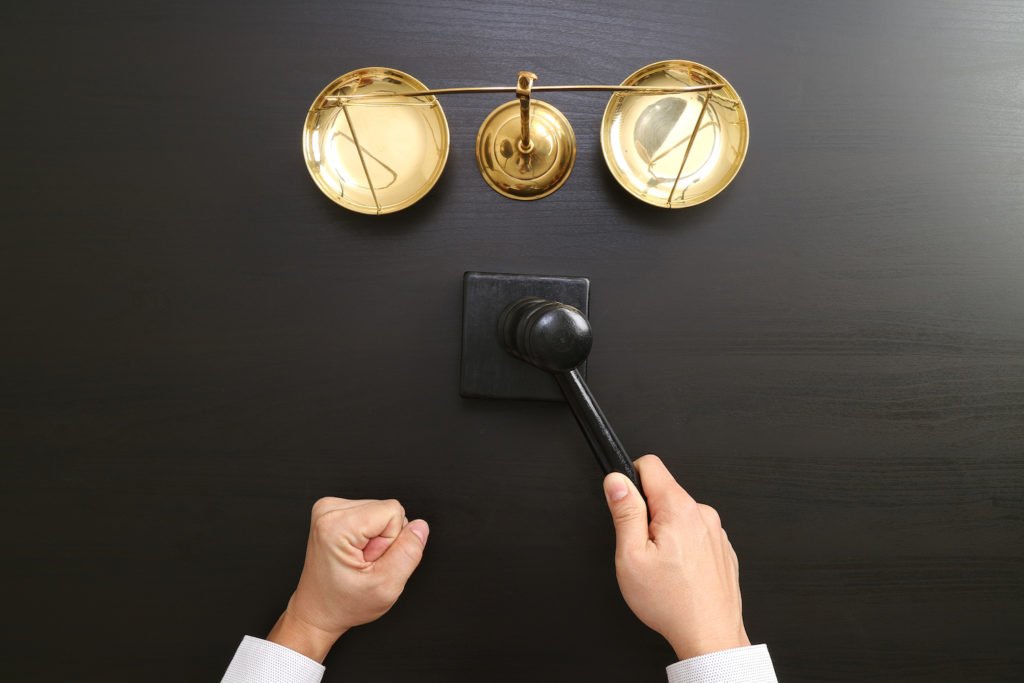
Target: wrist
688, 648
299, 635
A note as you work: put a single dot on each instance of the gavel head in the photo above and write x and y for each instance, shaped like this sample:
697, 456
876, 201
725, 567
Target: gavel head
547, 334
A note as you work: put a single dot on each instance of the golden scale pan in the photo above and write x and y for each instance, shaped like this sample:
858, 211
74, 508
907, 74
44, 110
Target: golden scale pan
674, 134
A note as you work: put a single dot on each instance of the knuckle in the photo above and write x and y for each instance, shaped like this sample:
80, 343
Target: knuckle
684, 502
324, 524
322, 505
662, 524
646, 461
394, 506
413, 551
627, 513
710, 515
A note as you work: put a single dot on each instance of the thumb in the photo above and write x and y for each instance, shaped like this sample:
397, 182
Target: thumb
404, 554
629, 512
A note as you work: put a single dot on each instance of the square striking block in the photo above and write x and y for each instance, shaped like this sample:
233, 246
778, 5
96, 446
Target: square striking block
488, 370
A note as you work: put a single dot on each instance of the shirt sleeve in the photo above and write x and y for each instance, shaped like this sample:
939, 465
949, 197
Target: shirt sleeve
740, 665
260, 661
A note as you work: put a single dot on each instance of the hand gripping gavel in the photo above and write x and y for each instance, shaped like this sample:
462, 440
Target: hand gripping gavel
556, 337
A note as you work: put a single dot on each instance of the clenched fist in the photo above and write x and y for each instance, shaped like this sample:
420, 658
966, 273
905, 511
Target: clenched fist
679, 573
359, 556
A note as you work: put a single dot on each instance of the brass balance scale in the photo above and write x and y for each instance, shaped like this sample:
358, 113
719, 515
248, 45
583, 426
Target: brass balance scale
674, 134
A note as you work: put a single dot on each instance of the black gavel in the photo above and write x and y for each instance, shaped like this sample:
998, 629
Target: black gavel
556, 337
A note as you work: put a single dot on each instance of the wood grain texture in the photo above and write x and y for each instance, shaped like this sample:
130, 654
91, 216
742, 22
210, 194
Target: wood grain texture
831, 352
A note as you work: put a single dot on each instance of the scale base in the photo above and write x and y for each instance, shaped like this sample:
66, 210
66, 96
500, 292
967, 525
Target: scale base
488, 370
526, 175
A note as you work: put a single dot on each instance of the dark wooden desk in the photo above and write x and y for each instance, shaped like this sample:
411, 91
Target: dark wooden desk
831, 352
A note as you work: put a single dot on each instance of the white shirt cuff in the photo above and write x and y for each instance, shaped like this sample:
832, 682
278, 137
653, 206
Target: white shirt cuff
740, 665
260, 661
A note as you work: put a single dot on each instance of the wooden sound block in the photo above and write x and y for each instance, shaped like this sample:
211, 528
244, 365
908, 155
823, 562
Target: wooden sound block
488, 371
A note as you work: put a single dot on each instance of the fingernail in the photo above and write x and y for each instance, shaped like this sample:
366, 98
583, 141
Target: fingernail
420, 528
617, 489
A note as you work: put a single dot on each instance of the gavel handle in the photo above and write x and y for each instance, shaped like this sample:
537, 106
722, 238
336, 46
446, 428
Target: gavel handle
607, 448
